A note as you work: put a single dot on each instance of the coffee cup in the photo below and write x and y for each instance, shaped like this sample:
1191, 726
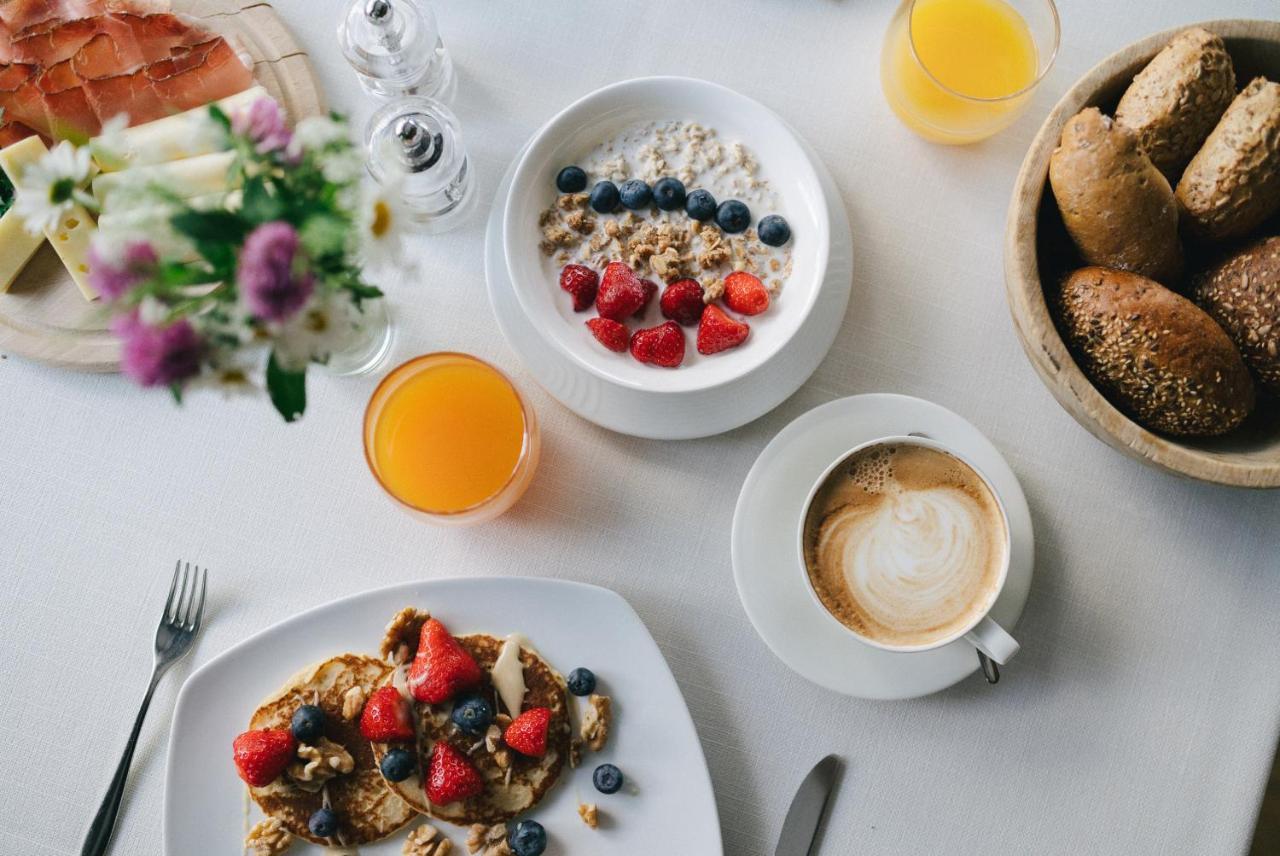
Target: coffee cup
905, 544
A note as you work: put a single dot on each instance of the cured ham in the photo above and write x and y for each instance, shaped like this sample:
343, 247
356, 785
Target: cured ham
67, 66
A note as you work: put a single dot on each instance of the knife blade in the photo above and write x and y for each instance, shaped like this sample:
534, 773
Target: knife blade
807, 807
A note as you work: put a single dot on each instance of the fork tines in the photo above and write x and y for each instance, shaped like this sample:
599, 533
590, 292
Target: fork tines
183, 610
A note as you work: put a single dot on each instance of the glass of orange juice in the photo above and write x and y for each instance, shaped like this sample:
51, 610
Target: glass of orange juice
450, 437
958, 71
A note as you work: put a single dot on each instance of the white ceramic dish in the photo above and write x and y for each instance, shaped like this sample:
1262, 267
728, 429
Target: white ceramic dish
770, 576
666, 416
654, 741
603, 114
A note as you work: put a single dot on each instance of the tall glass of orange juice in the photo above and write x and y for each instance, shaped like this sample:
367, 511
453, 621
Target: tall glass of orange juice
958, 71
450, 437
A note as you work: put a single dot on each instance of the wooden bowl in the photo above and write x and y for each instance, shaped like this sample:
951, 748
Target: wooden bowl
1038, 253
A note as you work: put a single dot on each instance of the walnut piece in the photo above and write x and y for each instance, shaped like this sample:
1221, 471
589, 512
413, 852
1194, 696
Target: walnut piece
318, 764
426, 840
353, 702
402, 633
590, 814
595, 722
268, 838
667, 265
488, 840
492, 739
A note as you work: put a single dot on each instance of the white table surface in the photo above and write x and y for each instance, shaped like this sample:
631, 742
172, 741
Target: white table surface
1141, 716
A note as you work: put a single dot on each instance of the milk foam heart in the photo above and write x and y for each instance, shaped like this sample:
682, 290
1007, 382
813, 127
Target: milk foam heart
905, 544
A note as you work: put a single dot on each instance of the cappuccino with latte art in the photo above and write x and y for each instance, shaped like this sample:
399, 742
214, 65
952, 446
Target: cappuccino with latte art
905, 545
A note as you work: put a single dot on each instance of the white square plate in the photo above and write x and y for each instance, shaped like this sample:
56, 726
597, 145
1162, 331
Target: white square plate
668, 797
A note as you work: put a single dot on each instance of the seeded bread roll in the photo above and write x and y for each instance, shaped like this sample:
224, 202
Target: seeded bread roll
1233, 183
1154, 353
1175, 101
1243, 295
1116, 205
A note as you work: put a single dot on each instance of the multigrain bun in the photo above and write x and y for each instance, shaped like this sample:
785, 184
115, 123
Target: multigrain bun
1243, 295
1154, 353
1116, 205
1233, 183
1178, 98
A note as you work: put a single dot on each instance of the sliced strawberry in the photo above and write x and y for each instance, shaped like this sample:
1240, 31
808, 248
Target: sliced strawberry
683, 302
621, 293
650, 290
610, 333
262, 755
527, 734
442, 668
745, 293
581, 282
660, 346
386, 717
451, 776
718, 332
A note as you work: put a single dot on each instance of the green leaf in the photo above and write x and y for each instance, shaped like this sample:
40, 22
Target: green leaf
288, 390
210, 226
259, 205
219, 115
361, 292
323, 235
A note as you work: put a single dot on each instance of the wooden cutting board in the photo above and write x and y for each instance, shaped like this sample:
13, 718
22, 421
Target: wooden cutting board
43, 316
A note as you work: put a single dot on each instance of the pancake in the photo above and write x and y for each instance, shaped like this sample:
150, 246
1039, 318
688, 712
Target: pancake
367, 811
531, 778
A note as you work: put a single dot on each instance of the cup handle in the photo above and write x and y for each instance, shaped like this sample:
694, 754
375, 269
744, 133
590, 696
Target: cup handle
992, 639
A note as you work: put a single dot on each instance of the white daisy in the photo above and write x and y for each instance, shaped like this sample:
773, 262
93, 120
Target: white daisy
48, 189
382, 226
329, 142
316, 132
110, 147
328, 324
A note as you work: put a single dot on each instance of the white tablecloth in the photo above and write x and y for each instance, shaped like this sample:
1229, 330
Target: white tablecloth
1140, 718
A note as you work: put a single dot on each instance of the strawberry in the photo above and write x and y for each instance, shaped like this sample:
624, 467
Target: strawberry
621, 293
610, 333
718, 332
262, 755
442, 668
660, 346
650, 290
386, 717
581, 282
450, 776
527, 734
745, 293
682, 302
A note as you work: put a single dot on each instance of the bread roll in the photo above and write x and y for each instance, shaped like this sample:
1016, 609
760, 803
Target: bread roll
1116, 205
1243, 295
1156, 355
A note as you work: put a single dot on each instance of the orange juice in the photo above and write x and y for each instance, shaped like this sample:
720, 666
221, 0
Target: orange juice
448, 434
956, 71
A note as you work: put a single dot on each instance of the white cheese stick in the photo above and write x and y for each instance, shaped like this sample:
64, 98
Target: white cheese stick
173, 137
188, 178
17, 246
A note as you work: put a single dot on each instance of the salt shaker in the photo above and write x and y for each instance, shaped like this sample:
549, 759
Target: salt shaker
415, 149
396, 49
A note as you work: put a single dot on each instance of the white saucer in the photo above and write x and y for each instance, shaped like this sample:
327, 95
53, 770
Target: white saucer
676, 416
767, 569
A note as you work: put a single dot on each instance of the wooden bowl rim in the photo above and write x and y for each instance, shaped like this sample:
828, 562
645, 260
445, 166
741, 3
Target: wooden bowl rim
1047, 352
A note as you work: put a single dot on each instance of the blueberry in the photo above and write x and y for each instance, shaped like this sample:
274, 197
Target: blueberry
397, 765
774, 231
324, 823
668, 194
733, 216
607, 779
307, 724
700, 205
571, 179
582, 682
635, 194
527, 838
473, 715
604, 197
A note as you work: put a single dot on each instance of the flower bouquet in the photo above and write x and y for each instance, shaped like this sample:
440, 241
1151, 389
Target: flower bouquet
244, 290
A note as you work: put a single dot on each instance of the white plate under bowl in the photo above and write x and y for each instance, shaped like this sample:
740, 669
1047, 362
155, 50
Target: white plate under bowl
770, 575
602, 115
666, 416
572, 624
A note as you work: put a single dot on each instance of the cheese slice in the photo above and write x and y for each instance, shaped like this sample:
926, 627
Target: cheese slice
17, 246
73, 235
174, 137
188, 178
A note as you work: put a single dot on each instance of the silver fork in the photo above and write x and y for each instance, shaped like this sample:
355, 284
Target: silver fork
178, 628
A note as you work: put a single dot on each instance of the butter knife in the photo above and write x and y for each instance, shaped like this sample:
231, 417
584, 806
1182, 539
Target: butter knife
805, 814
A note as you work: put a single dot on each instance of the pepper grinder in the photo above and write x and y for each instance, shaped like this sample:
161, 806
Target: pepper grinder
395, 48
415, 149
